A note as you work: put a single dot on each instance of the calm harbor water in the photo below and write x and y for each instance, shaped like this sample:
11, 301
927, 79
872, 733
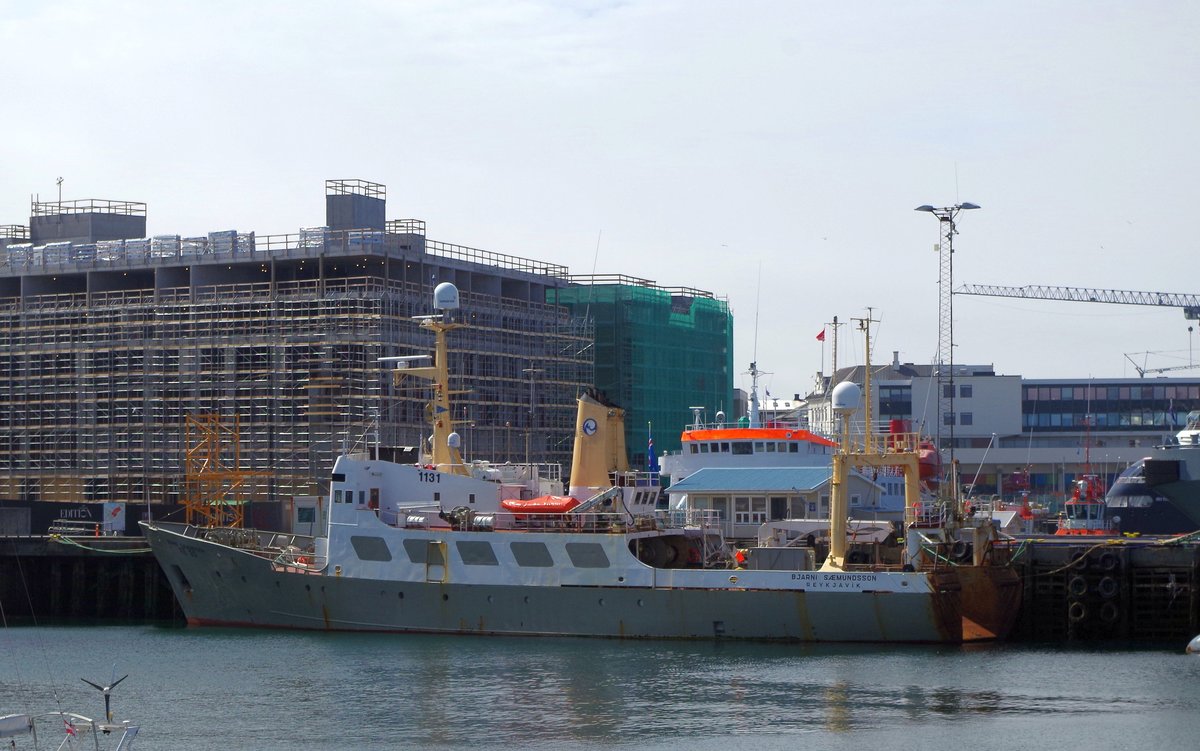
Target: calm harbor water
267, 690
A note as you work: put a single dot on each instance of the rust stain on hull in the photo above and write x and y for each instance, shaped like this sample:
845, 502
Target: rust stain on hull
991, 600
947, 605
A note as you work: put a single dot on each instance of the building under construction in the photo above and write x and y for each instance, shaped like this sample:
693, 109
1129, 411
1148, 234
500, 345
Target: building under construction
659, 352
123, 356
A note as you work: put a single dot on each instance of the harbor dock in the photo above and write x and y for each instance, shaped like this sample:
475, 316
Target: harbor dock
1100, 588
51, 578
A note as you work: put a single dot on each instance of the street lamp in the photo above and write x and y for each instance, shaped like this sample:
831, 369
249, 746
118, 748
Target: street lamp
531, 372
946, 216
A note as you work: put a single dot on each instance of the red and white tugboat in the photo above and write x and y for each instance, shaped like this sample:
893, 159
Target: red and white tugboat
1083, 513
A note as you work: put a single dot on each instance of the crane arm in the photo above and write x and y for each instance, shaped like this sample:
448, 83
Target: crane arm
1189, 303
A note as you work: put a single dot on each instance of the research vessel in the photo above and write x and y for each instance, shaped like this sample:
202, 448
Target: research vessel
600, 562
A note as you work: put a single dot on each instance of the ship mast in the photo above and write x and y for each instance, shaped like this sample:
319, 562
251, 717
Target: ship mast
444, 451
897, 450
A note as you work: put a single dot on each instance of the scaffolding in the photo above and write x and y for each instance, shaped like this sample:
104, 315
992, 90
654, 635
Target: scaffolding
212, 476
104, 357
659, 350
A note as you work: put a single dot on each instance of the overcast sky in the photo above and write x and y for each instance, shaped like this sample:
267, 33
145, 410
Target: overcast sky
769, 152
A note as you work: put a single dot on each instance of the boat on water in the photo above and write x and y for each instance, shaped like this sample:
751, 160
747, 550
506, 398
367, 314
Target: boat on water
607, 563
1085, 512
1160, 494
779, 468
64, 730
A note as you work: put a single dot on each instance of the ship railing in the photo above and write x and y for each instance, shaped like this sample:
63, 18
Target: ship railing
927, 514
517, 471
692, 517
252, 540
601, 522
785, 424
634, 479
604, 522
889, 443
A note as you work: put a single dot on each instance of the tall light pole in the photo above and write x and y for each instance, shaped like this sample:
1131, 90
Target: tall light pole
945, 357
531, 372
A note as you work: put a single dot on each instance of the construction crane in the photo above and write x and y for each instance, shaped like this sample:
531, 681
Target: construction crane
1189, 303
1142, 370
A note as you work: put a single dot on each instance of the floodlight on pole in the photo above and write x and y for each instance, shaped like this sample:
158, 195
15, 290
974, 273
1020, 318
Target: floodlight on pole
945, 356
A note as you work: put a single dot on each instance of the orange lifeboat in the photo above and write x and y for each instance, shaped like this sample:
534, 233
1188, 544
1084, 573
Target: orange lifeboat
546, 504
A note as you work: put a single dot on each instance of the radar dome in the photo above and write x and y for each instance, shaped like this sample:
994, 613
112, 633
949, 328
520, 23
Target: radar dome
847, 398
721, 416
454, 440
445, 297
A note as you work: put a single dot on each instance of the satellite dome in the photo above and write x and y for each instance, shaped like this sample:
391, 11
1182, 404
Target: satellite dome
847, 398
454, 440
445, 297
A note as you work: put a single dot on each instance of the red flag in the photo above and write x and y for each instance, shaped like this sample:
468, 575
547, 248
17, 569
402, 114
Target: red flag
821, 336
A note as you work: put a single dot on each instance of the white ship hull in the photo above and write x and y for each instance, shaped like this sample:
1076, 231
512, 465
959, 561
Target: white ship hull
221, 585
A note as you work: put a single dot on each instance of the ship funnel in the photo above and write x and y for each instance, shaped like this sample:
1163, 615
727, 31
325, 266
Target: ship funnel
599, 446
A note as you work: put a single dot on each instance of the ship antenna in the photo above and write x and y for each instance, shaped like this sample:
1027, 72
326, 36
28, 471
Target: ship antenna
754, 371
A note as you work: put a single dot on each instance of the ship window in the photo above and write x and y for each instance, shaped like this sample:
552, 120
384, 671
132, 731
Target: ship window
532, 554
742, 447
337, 496
758, 447
793, 448
370, 548
771, 447
415, 550
965, 392
724, 447
362, 497
477, 553
721, 506
704, 448
471, 498
339, 477
437, 497
967, 418
856, 500
749, 510
587, 555
694, 448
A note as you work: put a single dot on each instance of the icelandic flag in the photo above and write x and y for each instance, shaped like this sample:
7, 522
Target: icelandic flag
651, 459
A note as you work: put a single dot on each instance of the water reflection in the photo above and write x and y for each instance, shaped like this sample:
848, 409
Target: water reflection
299, 691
